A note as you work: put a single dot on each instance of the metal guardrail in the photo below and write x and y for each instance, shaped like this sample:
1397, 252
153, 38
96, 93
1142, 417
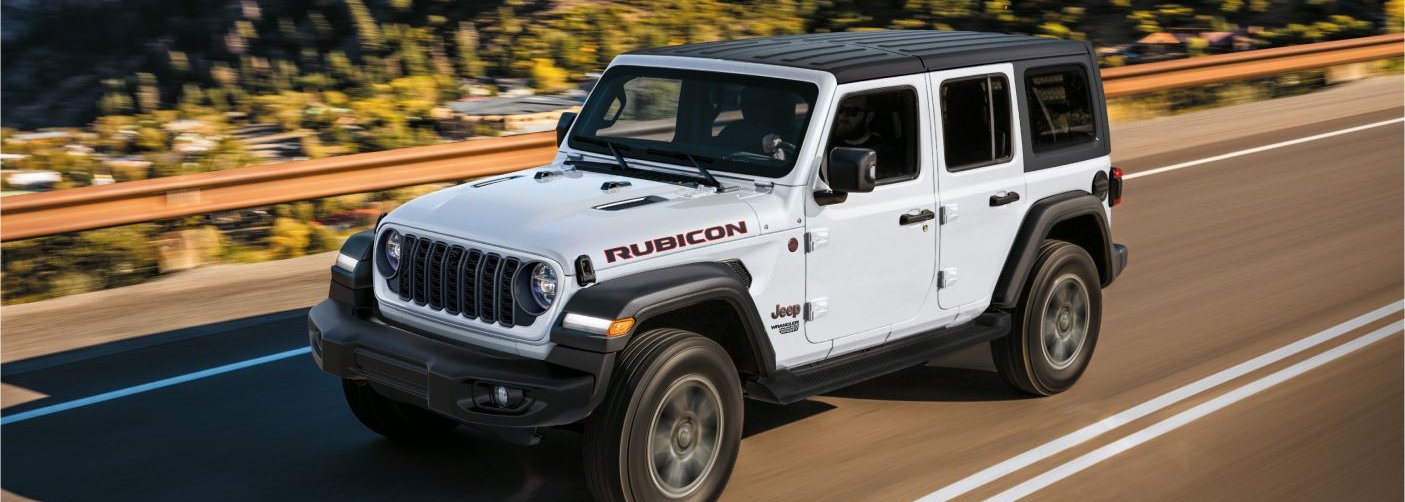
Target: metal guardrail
1140, 79
50, 213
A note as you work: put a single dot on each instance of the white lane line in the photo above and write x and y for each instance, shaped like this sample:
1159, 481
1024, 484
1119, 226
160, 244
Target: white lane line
159, 384
1108, 424
1264, 148
1092, 458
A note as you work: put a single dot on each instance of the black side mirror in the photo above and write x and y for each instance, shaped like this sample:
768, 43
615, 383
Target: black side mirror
563, 125
852, 170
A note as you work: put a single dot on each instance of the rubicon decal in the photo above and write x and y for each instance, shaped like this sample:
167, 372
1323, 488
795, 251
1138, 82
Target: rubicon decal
671, 242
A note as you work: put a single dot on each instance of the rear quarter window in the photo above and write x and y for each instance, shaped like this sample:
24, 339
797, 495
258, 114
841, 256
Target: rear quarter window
1060, 105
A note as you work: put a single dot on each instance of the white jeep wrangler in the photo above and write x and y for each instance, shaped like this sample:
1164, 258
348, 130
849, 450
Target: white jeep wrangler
771, 218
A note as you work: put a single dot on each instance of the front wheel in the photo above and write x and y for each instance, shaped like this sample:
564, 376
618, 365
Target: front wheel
1056, 323
670, 425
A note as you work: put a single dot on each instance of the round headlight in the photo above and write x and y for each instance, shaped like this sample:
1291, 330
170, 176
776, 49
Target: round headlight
392, 251
543, 284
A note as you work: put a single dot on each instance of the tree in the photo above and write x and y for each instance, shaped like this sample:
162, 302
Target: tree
289, 238
1395, 16
466, 43
148, 93
546, 77
367, 31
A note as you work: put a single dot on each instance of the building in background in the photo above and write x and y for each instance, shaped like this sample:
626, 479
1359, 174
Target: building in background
504, 115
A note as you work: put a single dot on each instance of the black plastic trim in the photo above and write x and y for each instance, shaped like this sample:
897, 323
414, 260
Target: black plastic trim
1119, 261
585, 271
648, 294
793, 384
447, 378
353, 287
1101, 185
1042, 217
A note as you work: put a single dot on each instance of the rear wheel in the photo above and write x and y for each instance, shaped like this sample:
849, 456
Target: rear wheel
1056, 323
670, 425
389, 418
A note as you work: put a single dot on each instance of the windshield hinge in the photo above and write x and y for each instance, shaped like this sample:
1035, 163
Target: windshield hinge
765, 186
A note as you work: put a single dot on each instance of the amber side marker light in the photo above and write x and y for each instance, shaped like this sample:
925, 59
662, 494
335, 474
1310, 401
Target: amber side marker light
599, 326
620, 327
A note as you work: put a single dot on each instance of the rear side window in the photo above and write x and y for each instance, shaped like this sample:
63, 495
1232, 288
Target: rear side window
1060, 108
975, 122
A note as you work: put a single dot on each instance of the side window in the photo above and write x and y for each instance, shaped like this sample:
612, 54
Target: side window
976, 122
1060, 108
884, 121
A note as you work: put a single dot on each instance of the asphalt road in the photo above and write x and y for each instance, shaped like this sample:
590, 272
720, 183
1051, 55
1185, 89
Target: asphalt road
1230, 260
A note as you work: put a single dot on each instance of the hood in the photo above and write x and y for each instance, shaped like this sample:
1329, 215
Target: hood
613, 219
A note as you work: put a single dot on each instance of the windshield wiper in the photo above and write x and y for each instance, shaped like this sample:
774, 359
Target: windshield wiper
708, 178
612, 146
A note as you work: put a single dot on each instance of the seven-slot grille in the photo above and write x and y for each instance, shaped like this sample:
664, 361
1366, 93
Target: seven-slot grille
458, 280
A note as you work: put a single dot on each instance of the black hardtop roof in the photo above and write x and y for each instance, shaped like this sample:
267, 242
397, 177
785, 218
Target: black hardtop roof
866, 55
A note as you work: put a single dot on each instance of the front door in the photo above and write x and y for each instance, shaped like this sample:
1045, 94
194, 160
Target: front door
981, 178
872, 257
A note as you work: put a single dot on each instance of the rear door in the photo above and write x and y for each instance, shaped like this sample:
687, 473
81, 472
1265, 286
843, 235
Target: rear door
980, 178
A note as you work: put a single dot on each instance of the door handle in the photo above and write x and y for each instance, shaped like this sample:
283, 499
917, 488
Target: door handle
910, 218
1001, 199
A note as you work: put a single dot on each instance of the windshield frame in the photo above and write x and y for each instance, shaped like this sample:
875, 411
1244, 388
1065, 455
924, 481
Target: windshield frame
807, 90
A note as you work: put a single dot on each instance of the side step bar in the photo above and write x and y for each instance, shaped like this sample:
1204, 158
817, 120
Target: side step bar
794, 384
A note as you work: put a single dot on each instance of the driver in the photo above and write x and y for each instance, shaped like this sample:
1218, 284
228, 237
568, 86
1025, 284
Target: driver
852, 125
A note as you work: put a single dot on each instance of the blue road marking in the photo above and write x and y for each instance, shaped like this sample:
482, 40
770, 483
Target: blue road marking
159, 384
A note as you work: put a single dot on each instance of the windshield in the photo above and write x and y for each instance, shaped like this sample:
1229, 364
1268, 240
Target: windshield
728, 122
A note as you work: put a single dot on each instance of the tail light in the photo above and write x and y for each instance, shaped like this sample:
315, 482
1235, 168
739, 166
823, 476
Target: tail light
1114, 192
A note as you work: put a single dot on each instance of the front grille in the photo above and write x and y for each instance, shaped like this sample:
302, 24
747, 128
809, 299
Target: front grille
458, 281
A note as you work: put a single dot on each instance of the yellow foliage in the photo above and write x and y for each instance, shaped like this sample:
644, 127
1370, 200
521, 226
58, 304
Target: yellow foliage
290, 238
547, 77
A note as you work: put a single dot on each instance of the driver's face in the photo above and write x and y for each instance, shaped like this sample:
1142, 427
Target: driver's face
851, 118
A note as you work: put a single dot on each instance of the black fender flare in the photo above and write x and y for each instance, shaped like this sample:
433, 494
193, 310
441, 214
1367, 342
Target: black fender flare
353, 287
1038, 221
651, 293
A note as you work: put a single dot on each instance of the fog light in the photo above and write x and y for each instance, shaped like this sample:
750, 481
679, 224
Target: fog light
501, 397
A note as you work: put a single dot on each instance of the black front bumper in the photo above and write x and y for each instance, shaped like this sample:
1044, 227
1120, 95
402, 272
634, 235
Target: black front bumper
457, 380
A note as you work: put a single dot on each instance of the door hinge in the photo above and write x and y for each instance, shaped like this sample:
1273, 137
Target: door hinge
949, 213
816, 239
816, 308
946, 278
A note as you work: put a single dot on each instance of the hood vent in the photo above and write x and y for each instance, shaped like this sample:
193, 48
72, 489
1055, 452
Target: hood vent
629, 203
482, 184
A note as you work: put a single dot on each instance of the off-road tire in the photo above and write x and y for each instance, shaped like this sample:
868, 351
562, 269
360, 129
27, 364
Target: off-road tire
1023, 358
392, 419
660, 364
